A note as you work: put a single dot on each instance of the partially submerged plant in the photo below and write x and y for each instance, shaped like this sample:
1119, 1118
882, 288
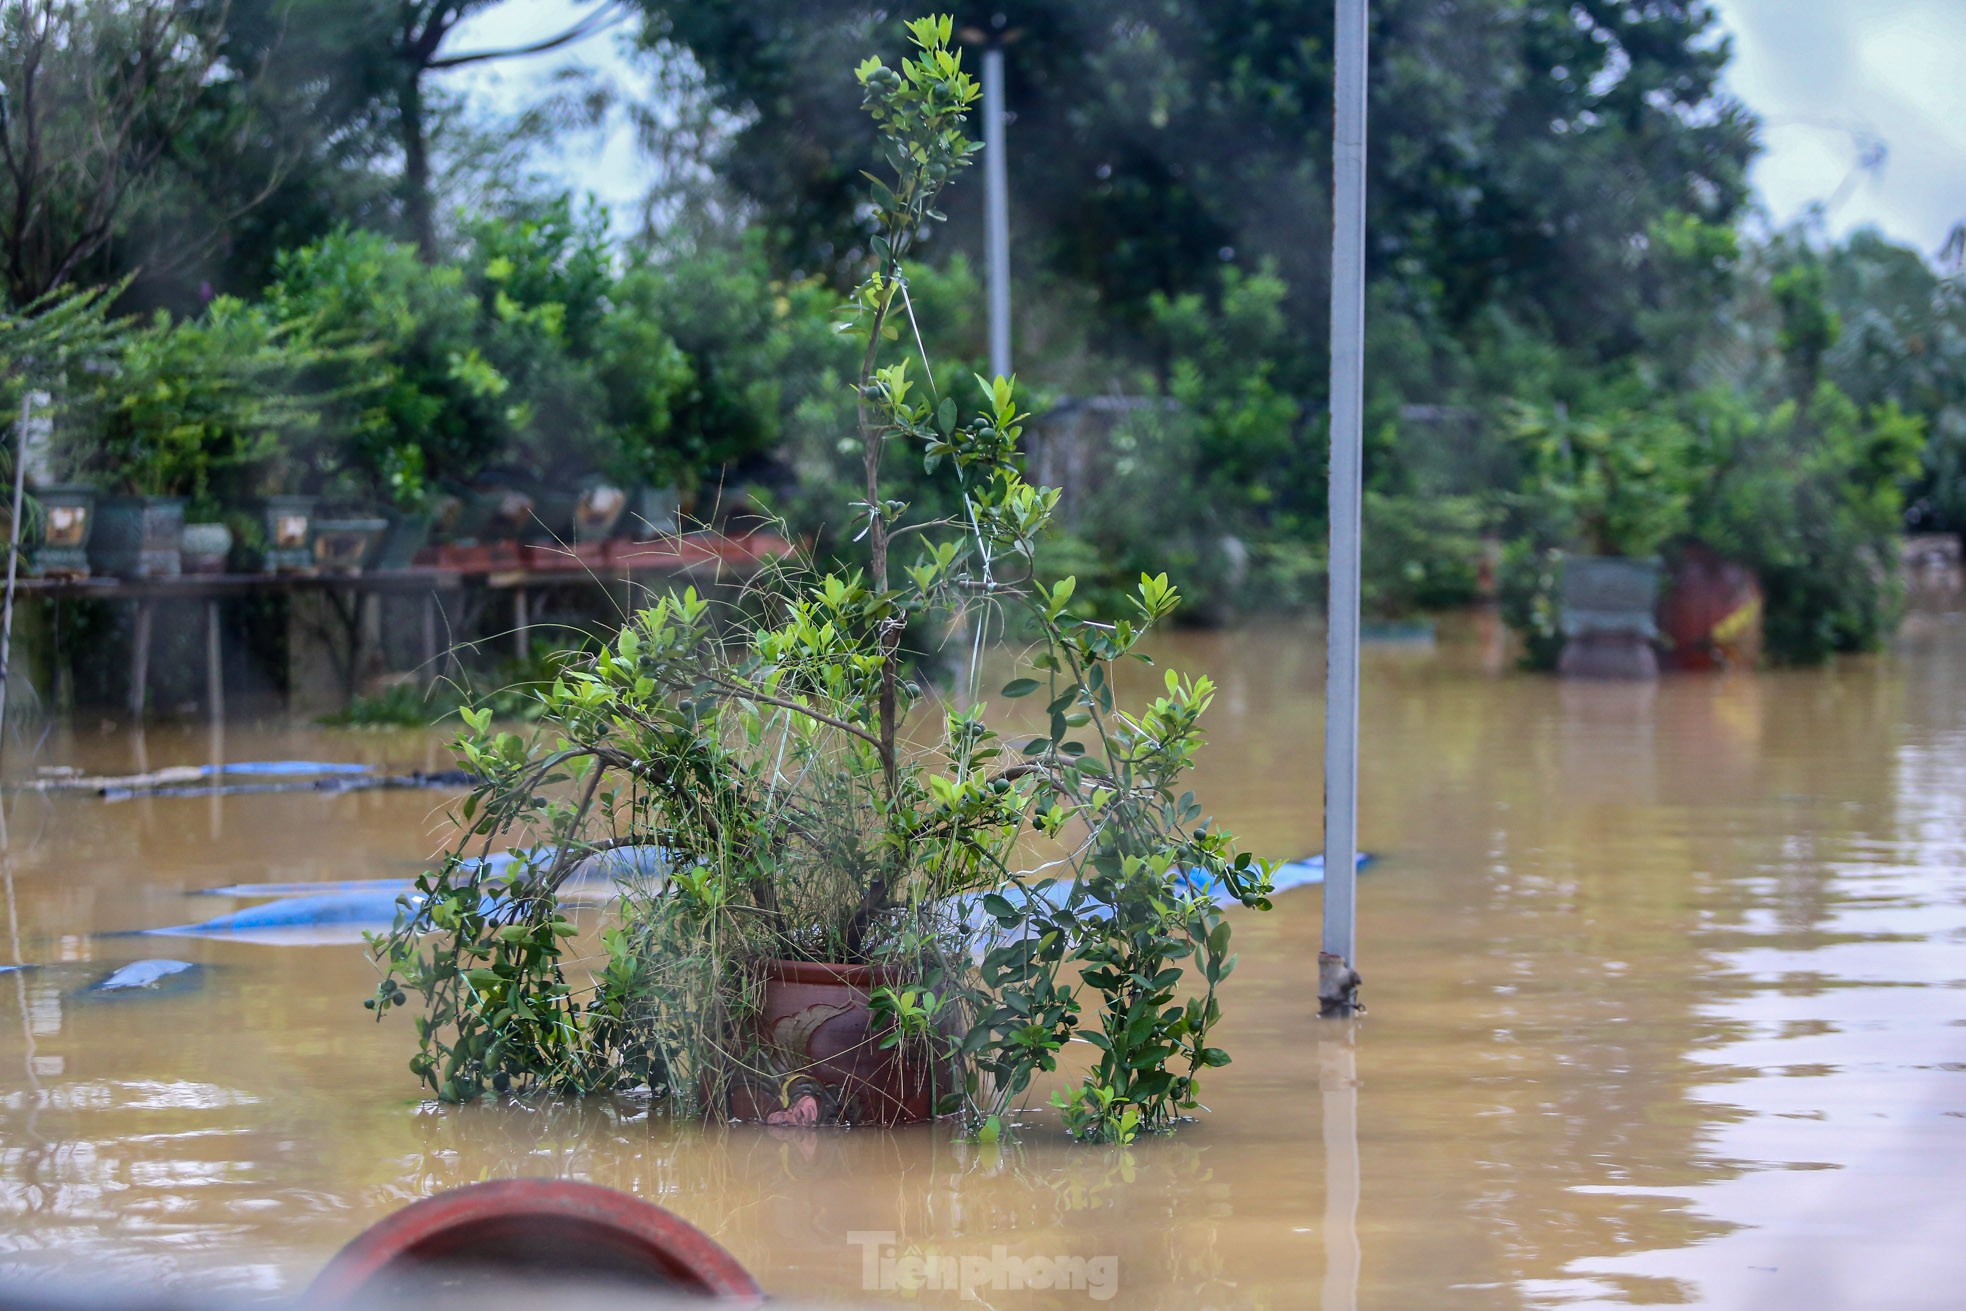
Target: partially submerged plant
765, 782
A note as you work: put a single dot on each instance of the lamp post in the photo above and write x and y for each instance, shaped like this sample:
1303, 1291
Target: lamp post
996, 186
1337, 979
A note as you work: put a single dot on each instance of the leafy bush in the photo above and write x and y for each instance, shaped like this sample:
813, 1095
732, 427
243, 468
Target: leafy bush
1614, 472
1420, 553
180, 407
1809, 495
761, 750
420, 399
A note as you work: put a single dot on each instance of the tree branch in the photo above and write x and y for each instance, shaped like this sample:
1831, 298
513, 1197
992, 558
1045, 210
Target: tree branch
751, 694
599, 21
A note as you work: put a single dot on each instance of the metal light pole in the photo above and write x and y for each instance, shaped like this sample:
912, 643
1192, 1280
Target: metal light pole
996, 213
996, 189
1337, 979
27, 399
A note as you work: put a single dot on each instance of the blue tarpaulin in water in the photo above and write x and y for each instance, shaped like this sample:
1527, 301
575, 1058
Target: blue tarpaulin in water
149, 975
1307, 872
288, 768
254, 891
332, 919
327, 913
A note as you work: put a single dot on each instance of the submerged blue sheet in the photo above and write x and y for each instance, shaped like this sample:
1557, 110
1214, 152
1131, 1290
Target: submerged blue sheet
298, 912
347, 910
1307, 872
149, 976
251, 891
289, 768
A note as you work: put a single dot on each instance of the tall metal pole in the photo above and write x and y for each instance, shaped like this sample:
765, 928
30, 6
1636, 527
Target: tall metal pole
996, 209
13, 548
1337, 979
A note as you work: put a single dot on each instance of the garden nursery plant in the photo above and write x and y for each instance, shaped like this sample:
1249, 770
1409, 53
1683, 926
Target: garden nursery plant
839, 895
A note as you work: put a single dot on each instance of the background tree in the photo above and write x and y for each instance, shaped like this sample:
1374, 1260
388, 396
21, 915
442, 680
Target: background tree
1523, 149
417, 30
93, 95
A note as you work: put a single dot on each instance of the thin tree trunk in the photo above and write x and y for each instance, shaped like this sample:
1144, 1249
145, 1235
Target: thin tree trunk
416, 166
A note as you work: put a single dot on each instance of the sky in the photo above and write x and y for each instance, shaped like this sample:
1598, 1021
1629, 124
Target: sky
1830, 76
1833, 80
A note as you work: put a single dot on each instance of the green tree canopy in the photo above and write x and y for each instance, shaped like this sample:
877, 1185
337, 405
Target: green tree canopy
1523, 150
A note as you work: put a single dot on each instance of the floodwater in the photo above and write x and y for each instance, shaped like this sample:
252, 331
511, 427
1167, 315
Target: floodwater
1667, 990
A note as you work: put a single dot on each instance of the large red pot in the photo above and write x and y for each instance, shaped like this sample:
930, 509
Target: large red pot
1711, 613
534, 1230
819, 1032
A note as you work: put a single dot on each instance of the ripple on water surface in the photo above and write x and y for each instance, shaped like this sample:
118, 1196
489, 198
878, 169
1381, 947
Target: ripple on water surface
1668, 1005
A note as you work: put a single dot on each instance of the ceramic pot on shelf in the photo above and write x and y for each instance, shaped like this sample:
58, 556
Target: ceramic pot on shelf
289, 528
407, 535
138, 537
68, 518
205, 548
345, 546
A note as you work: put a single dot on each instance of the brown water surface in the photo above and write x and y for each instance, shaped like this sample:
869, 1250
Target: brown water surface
1667, 987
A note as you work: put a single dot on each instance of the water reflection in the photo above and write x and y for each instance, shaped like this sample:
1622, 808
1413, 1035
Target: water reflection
1666, 1007
1338, 1086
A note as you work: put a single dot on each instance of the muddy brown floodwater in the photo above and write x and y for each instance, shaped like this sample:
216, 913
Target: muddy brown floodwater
1667, 988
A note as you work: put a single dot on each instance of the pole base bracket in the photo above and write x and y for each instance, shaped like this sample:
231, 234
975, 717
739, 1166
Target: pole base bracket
1337, 987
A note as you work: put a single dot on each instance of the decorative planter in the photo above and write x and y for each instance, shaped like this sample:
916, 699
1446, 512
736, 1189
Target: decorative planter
1607, 617
138, 536
68, 517
205, 548
289, 521
545, 1231
496, 512
818, 1026
597, 512
343, 546
1711, 613
407, 535
551, 517
653, 512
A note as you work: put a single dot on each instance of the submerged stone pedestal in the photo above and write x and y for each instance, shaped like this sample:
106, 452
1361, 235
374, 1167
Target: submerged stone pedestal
1608, 617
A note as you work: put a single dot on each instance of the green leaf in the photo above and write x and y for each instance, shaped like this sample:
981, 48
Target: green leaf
1019, 686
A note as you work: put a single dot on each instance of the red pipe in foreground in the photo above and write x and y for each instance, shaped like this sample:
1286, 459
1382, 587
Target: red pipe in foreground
531, 1229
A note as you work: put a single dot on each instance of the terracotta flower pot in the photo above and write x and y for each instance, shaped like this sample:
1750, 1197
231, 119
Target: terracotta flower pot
530, 1229
818, 1023
1711, 613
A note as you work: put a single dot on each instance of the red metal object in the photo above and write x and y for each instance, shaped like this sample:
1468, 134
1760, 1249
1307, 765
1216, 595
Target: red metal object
531, 1229
1711, 612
